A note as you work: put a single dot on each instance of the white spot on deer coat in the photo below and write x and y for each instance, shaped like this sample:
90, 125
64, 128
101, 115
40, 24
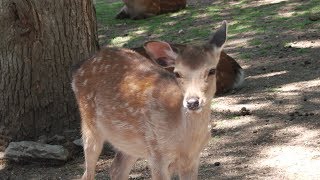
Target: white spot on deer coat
81, 72
85, 82
90, 96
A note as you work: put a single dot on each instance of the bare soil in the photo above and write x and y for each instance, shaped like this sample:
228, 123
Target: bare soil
277, 138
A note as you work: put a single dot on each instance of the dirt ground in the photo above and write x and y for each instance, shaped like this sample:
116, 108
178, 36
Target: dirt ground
278, 139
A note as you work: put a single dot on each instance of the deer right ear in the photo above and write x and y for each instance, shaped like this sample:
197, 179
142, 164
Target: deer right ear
161, 53
219, 38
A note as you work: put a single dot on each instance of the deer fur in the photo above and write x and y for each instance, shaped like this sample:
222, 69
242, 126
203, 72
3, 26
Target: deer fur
140, 9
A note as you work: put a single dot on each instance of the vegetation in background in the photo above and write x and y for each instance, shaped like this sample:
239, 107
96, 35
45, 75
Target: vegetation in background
195, 23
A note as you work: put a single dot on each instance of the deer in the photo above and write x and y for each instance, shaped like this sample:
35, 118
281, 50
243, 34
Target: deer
144, 111
229, 74
141, 9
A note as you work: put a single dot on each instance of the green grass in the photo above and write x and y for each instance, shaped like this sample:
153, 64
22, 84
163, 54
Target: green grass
195, 23
246, 56
273, 90
255, 42
233, 116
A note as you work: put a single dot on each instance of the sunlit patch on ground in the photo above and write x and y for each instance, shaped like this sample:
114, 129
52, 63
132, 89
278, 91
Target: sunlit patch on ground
267, 75
305, 44
299, 158
301, 85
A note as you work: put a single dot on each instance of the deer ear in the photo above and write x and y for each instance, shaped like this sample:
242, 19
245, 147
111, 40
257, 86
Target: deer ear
219, 37
161, 53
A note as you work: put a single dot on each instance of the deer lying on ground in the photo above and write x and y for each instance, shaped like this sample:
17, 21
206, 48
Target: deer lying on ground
145, 111
140, 9
229, 74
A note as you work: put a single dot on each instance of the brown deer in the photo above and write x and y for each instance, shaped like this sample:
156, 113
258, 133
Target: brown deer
229, 74
145, 111
140, 9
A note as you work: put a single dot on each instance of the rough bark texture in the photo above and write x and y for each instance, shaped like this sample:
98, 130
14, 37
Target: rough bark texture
40, 41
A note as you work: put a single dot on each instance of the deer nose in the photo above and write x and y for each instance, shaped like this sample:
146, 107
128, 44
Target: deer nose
193, 103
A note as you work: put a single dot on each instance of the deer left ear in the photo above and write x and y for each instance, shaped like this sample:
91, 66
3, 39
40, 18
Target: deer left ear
161, 53
219, 37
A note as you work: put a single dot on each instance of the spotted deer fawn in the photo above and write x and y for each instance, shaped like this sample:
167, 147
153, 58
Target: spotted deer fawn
146, 112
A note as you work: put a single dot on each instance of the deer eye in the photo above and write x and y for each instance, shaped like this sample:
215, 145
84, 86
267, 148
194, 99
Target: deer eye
212, 72
177, 75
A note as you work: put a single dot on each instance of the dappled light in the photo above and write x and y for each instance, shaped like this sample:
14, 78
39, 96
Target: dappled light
293, 162
269, 128
301, 86
120, 41
236, 123
267, 75
296, 159
305, 44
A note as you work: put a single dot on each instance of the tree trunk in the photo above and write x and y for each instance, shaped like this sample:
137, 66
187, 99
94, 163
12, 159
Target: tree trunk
40, 41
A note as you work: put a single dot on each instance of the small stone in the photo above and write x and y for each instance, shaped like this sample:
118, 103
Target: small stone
244, 111
78, 142
180, 31
217, 164
307, 62
311, 114
29, 150
255, 131
314, 17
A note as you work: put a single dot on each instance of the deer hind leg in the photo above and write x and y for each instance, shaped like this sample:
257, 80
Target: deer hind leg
92, 145
92, 139
121, 166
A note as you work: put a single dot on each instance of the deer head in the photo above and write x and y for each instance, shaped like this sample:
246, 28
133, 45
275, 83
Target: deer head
194, 67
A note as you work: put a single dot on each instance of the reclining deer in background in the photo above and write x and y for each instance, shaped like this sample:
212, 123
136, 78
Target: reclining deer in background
140, 9
146, 112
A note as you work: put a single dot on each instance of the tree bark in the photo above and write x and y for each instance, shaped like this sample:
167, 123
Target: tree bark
40, 41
